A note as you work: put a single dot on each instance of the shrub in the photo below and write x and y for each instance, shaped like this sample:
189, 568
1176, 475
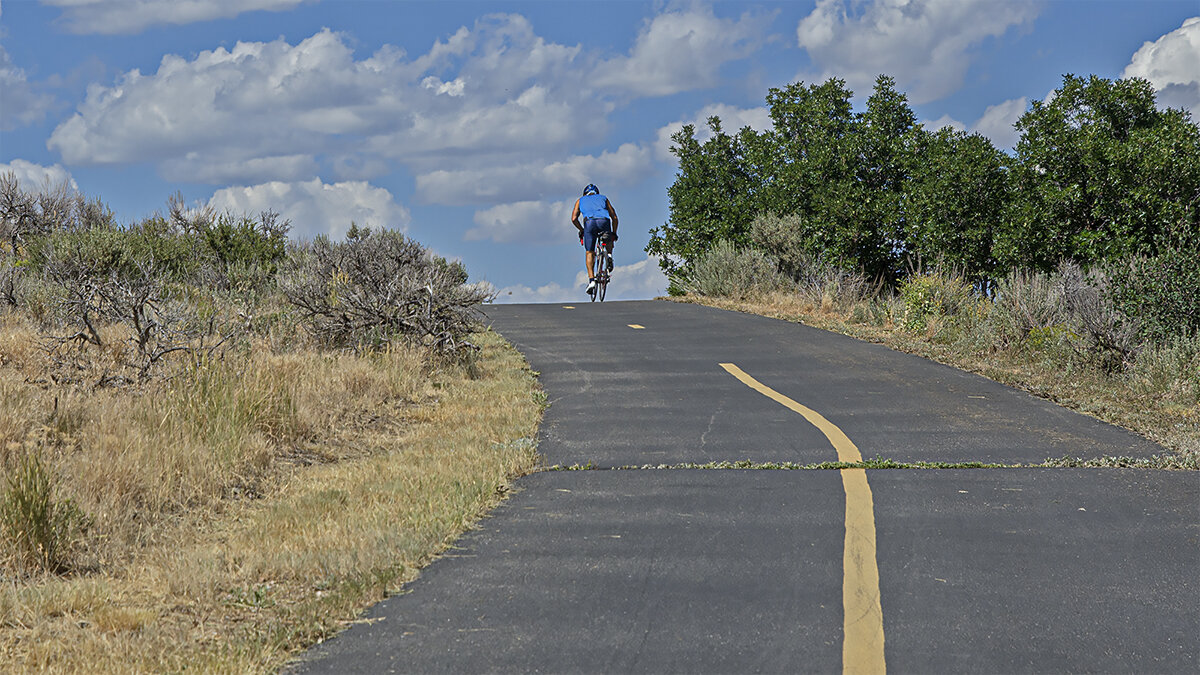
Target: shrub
39, 528
1171, 369
1106, 335
932, 295
821, 282
26, 215
247, 252
1024, 301
380, 285
781, 237
726, 271
112, 250
158, 318
1068, 308
1160, 291
12, 281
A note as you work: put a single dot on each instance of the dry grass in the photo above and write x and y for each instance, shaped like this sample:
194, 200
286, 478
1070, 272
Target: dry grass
1142, 400
248, 508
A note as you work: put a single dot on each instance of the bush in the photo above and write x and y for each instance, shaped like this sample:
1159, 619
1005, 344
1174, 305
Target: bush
1170, 370
1024, 301
821, 282
380, 285
39, 529
26, 215
247, 252
725, 271
12, 281
1068, 308
1107, 336
782, 238
931, 296
94, 292
113, 250
1160, 291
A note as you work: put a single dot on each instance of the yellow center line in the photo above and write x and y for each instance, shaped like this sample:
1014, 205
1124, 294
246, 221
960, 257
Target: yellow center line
636, 326
862, 623
568, 307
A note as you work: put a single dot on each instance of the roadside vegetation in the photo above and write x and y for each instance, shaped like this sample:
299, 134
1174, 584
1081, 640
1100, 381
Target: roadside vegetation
218, 445
1068, 268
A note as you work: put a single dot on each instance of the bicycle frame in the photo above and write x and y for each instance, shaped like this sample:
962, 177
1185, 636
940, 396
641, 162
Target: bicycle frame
601, 252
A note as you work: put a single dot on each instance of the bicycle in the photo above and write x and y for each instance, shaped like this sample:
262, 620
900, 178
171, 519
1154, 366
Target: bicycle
602, 264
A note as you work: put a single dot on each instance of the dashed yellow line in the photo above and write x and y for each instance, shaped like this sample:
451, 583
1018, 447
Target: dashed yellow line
636, 326
862, 623
568, 306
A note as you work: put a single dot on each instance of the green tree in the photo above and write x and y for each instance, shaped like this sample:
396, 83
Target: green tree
711, 199
844, 174
1101, 173
805, 156
872, 225
956, 201
841, 175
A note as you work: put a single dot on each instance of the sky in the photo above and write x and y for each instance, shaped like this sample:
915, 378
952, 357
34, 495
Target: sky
473, 126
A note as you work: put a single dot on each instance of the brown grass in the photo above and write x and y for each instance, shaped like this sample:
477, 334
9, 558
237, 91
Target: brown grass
1161, 411
250, 507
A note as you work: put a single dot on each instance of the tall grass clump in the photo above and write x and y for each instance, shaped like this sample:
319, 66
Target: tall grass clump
39, 525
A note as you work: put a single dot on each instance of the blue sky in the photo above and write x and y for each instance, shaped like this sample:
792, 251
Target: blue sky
472, 126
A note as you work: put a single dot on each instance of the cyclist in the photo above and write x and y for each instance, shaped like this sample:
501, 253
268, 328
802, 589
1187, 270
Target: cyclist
598, 216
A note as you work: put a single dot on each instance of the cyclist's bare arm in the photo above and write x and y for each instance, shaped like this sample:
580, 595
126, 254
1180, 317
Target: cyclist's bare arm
611, 212
575, 218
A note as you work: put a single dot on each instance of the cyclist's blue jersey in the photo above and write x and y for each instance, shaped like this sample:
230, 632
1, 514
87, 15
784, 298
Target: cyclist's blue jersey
592, 206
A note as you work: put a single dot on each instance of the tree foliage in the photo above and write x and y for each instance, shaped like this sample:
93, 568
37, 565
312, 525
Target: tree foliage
712, 198
1100, 174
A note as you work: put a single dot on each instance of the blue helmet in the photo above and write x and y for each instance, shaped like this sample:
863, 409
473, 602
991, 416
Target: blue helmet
591, 189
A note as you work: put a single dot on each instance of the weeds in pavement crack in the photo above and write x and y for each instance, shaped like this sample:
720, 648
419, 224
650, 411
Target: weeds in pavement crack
1157, 462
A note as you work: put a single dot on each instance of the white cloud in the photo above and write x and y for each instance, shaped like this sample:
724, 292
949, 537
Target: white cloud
1172, 64
21, 104
452, 89
682, 50
528, 222
197, 167
36, 178
732, 121
113, 17
641, 280
533, 181
946, 121
233, 115
552, 292
315, 207
258, 99
997, 122
924, 44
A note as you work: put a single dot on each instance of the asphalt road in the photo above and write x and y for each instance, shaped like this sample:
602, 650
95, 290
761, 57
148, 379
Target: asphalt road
685, 570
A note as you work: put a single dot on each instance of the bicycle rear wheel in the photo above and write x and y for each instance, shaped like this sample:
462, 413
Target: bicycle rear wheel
596, 267
601, 283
